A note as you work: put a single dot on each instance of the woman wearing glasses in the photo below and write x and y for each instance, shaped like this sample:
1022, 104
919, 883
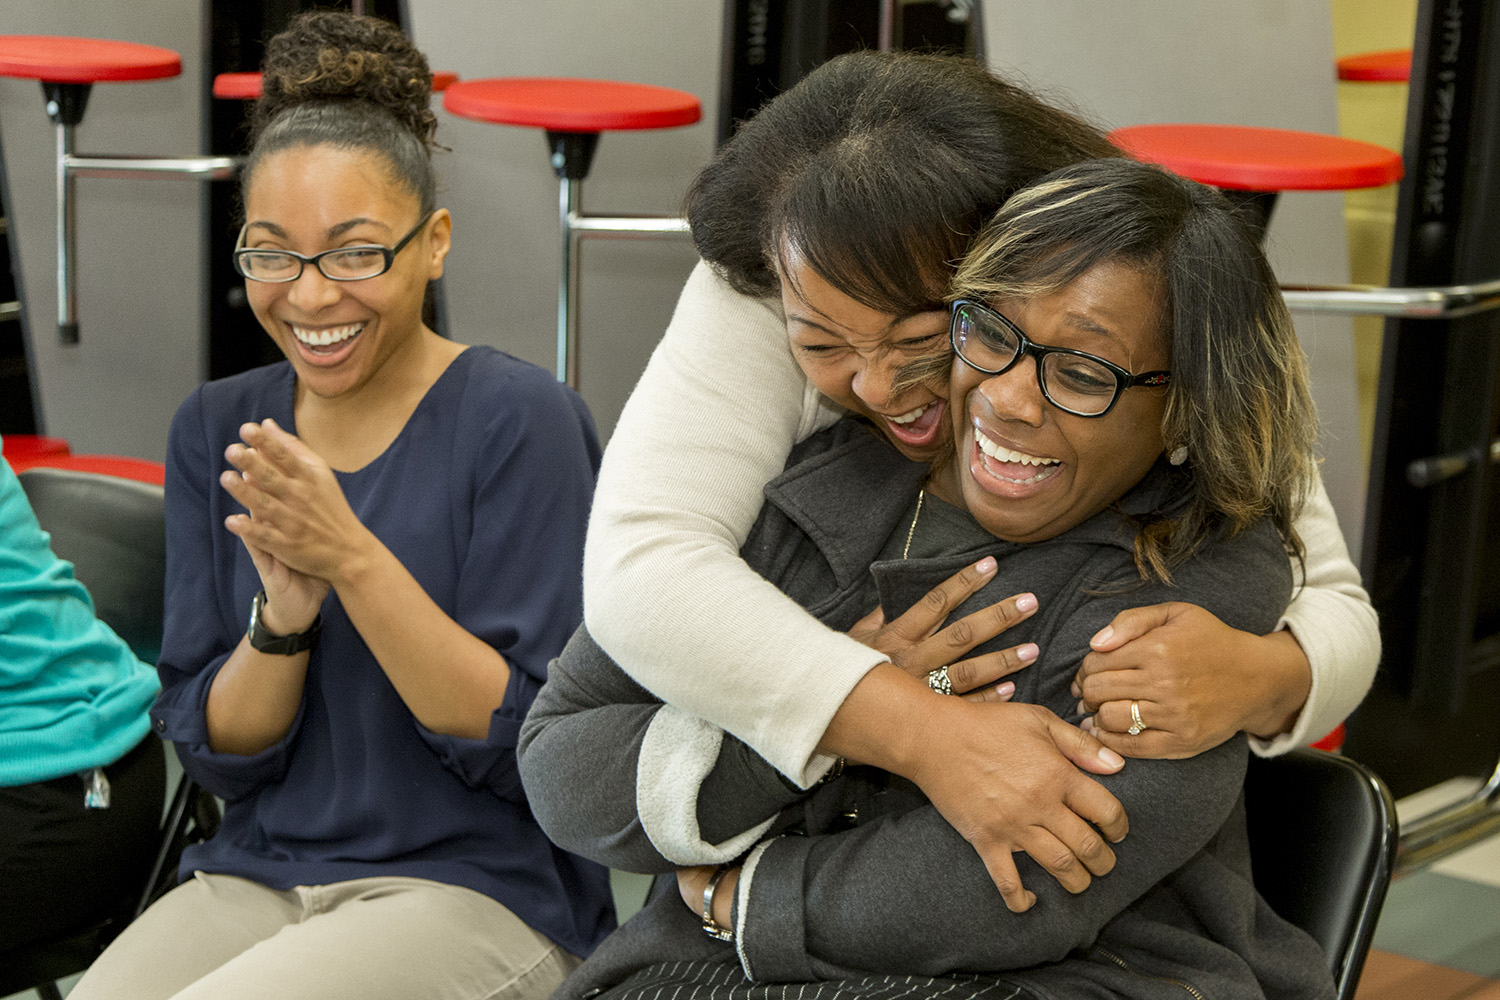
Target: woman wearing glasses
1092, 344
399, 520
852, 194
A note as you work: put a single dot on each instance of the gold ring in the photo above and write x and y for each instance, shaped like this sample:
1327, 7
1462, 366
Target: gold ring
1136, 725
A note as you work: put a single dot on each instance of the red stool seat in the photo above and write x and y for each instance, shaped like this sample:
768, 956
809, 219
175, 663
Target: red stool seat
139, 469
246, 86
56, 59
1247, 158
17, 447
568, 105
1392, 65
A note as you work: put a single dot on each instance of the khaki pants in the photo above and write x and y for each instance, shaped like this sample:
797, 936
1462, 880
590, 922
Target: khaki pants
218, 937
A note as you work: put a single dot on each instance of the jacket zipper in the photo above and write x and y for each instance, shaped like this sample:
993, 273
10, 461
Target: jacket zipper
1192, 990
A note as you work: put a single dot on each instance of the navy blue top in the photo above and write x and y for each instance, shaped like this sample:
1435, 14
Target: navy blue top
483, 497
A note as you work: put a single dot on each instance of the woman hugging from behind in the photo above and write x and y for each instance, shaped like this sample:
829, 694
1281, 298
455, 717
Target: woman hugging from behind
399, 518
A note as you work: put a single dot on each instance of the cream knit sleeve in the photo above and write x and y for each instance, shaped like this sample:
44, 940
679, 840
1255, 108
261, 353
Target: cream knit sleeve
666, 594
1333, 621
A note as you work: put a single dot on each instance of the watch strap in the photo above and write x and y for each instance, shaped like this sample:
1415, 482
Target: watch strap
262, 640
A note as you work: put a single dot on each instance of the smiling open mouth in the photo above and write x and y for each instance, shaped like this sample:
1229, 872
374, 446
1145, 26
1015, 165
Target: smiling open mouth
327, 340
1014, 466
919, 426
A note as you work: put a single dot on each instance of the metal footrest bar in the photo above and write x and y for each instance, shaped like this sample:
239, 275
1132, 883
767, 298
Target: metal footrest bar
214, 168
1451, 829
628, 226
1438, 302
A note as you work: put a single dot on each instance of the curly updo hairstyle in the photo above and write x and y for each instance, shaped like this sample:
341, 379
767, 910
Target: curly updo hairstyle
349, 81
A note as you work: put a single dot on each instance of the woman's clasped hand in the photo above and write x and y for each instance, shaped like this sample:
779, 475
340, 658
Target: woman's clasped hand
298, 527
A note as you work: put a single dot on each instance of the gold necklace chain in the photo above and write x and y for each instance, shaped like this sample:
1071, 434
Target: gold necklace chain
921, 495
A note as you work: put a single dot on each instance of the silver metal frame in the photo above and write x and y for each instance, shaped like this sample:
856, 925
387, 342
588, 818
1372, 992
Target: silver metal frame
575, 226
70, 165
1430, 838
1437, 302
1449, 830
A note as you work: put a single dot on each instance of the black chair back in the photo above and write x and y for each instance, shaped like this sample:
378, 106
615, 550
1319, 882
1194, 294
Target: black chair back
113, 531
1323, 843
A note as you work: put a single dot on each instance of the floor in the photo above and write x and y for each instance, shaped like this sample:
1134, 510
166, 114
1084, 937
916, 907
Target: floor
1438, 936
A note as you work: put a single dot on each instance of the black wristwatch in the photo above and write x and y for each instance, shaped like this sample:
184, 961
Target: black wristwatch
263, 640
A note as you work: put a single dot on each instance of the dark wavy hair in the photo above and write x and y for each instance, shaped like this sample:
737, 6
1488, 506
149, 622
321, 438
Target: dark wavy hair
877, 169
353, 82
1239, 399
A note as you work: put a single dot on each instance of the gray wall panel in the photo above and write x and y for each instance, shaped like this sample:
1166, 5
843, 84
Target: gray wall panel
502, 274
140, 294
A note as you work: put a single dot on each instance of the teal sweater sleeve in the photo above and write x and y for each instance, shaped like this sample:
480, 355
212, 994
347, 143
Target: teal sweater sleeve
72, 695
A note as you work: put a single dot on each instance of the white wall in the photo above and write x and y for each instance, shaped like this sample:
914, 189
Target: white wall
1251, 62
140, 287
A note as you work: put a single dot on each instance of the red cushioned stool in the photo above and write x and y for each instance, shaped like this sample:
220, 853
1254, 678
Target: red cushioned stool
1252, 165
573, 113
246, 86
1388, 65
23, 447
67, 68
119, 466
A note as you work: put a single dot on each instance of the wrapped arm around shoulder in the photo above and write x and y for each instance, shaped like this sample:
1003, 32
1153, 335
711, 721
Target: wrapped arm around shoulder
616, 776
1331, 617
711, 421
806, 905
904, 892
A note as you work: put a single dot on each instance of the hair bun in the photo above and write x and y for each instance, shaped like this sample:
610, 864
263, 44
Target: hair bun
332, 56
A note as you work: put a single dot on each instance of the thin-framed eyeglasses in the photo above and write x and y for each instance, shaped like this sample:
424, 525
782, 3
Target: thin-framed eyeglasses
356, 263
1073, 381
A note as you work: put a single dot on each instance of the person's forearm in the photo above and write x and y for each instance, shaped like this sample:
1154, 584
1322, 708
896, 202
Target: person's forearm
254, 699
881, 721
451, 680
711, 421
1286, 680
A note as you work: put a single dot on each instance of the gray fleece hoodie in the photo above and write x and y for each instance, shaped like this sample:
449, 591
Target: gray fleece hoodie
858, 885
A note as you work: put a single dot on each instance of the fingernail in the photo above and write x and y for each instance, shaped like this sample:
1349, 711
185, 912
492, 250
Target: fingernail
1111, 758
1075, 690
986, 565
1028, 652
1080, 708
1026, 602
1005, 689
1102, 636
1087, 725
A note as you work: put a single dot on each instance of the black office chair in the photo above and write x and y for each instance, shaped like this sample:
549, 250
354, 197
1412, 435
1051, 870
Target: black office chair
113, 531
1323, 843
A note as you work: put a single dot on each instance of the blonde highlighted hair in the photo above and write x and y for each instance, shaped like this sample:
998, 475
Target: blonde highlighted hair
1238, 400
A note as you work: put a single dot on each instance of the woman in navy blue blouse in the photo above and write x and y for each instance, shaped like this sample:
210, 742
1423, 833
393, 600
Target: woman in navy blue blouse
399, 519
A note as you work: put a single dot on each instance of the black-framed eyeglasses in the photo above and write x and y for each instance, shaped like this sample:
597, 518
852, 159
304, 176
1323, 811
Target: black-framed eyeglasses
354, 263
1072, 381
